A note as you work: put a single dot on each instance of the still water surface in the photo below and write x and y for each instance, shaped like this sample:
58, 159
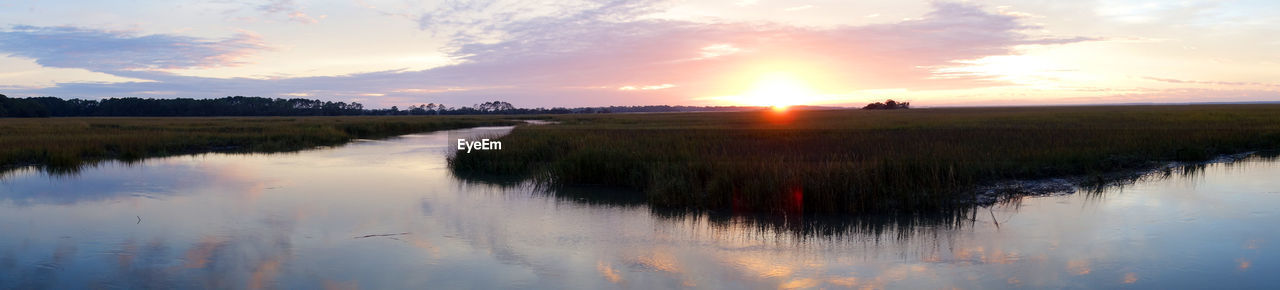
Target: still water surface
388, 214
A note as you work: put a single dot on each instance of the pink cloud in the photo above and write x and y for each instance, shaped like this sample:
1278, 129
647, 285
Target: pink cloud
575, 52
582, 58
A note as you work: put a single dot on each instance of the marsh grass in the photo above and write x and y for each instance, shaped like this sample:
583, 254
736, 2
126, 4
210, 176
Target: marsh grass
64, 145
858, 161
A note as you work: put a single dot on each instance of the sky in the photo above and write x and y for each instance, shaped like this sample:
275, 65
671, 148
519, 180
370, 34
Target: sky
646, 52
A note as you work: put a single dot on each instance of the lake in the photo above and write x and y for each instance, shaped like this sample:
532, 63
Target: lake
379, 214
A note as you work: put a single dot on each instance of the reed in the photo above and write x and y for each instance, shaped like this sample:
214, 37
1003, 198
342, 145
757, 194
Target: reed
857, 161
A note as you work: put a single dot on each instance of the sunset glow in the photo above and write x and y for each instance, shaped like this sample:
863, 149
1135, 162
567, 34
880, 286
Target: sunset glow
592, 53
639, 144
779, 90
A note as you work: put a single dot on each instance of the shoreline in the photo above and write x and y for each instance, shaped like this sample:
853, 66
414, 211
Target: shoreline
65, 145
1006, 190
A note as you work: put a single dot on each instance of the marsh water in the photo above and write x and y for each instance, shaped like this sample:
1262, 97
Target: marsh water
379, 214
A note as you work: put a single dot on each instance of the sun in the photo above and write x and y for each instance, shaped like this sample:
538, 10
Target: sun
778, 90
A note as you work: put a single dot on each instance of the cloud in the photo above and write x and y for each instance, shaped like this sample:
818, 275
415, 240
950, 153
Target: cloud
716, 50
491, 21
288, 8
113, 51
576, 55
589, 49
1178, 95
798, 8
1220, 83
647, 88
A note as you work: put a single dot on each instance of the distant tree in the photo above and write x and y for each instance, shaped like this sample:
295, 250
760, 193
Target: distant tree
494, 107
418, 110
24, 107
887, 105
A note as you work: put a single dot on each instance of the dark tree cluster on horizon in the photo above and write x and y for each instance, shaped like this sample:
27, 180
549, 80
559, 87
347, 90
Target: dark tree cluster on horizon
486, 108
260, 106
140, 107
505, 108
887, 105
10, 107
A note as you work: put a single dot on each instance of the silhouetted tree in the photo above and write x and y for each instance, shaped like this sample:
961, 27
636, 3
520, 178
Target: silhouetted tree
887, 105
14, 107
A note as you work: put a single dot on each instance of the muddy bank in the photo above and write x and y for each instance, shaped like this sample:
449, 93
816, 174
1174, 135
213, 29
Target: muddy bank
1009, 189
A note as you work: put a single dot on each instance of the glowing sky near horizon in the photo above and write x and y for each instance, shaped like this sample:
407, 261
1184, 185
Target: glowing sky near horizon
594, 53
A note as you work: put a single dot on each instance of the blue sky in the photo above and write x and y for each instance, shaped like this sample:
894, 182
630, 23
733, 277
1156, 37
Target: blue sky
590, 53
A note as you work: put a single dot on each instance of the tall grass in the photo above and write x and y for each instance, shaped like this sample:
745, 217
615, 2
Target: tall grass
64, 144
851, 161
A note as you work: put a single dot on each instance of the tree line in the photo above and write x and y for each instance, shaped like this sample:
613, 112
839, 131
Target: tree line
887, 105
260, 106
139, 107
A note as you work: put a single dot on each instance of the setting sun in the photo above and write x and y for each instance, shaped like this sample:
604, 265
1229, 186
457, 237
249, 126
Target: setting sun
779, 90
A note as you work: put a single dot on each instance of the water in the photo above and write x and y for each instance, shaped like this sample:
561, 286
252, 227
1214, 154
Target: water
388, 214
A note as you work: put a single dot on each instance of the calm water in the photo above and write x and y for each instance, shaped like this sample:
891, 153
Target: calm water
388, 214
